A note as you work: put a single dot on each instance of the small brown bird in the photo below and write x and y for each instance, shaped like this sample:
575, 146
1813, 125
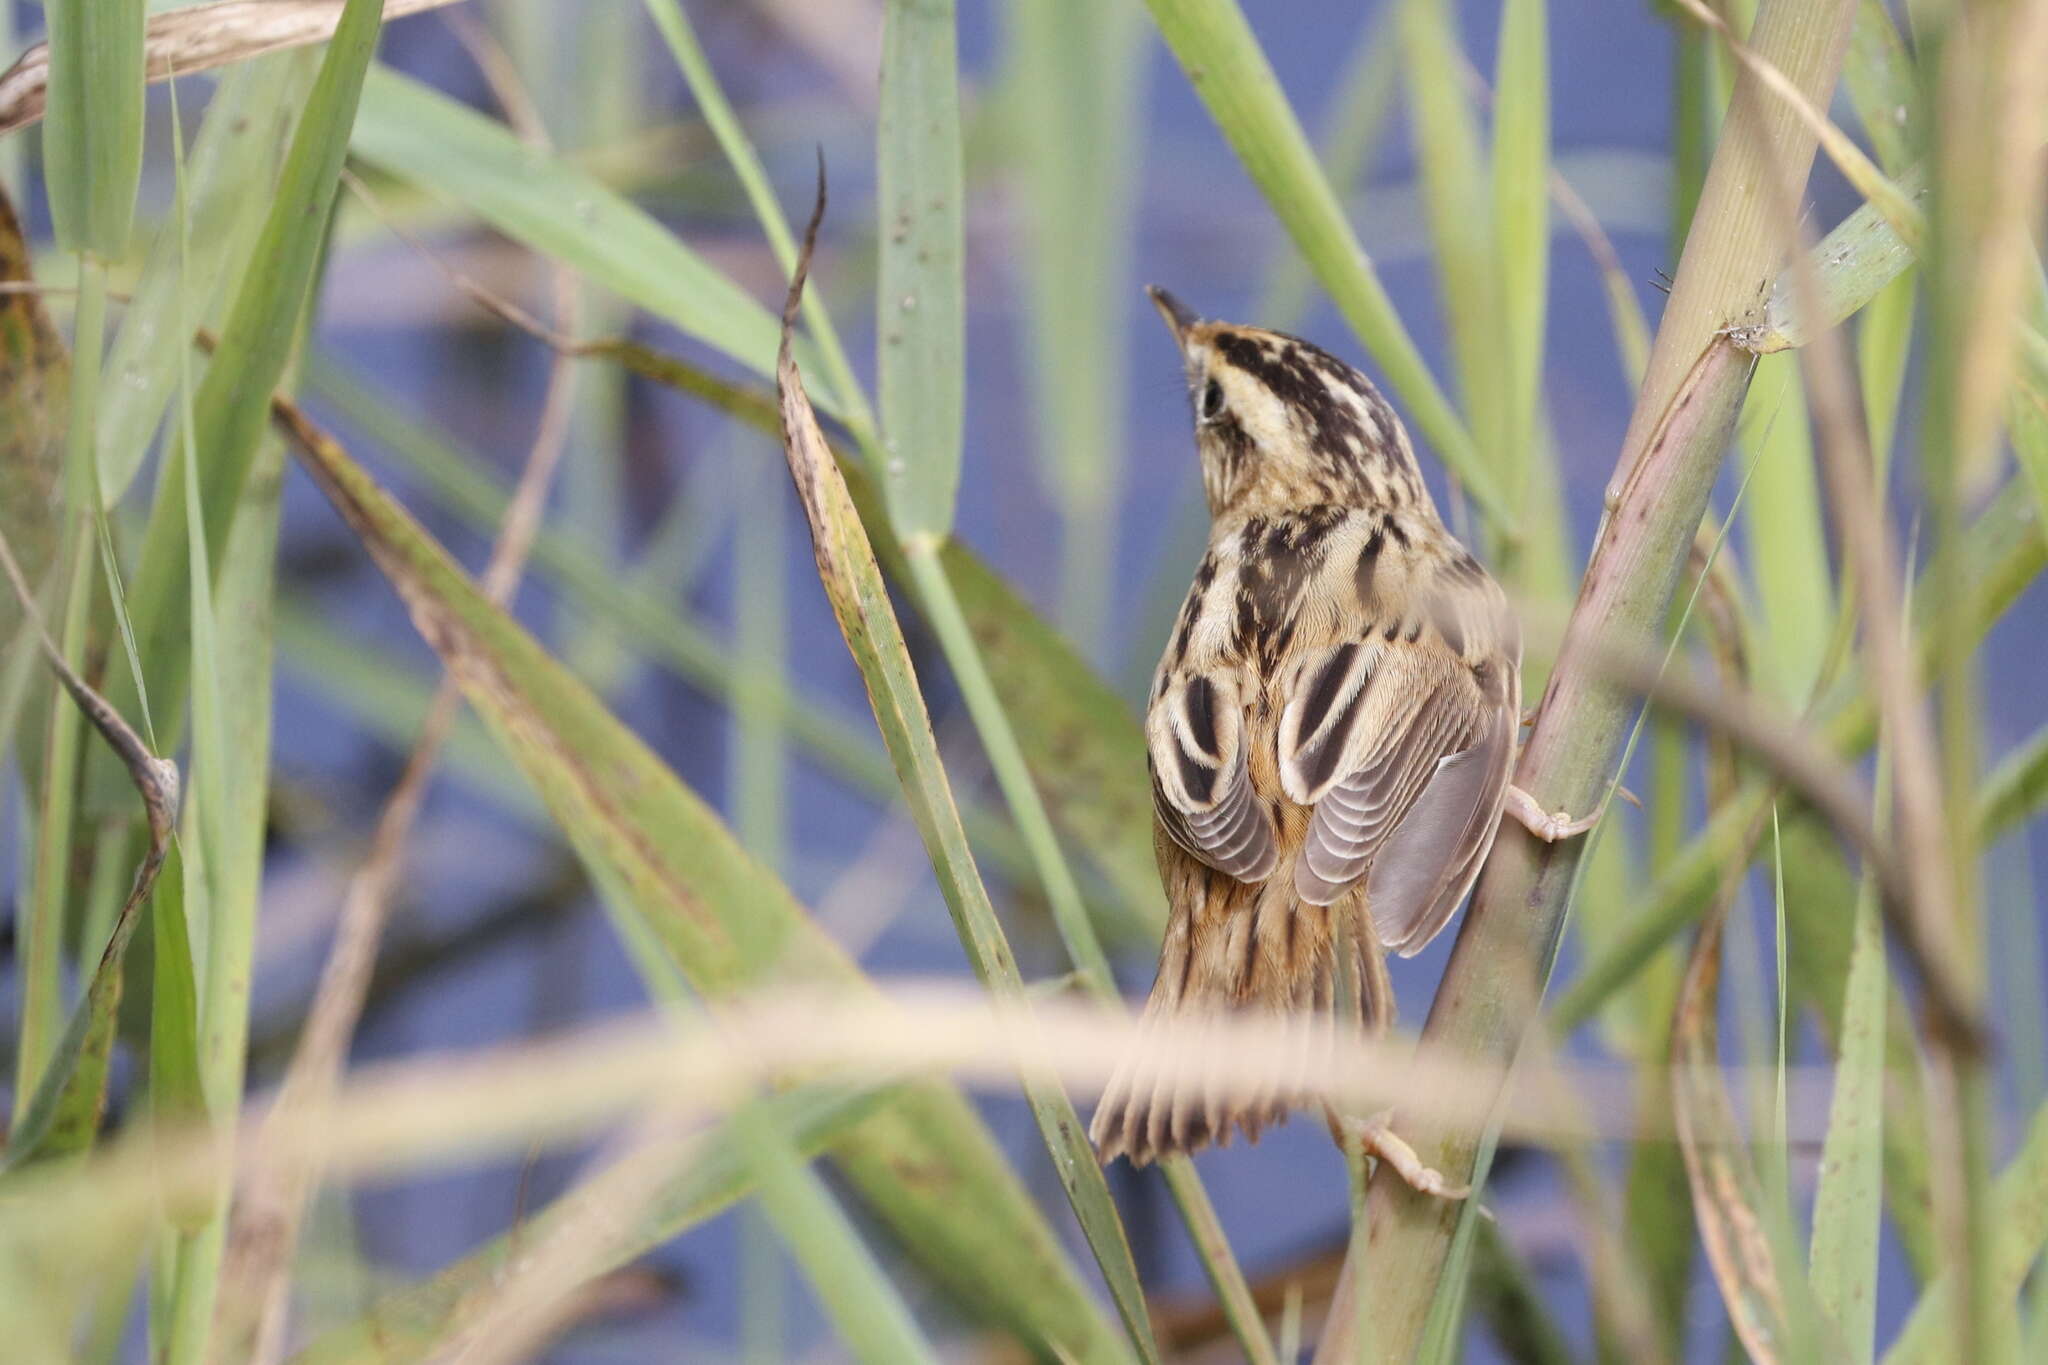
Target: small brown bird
1330, 730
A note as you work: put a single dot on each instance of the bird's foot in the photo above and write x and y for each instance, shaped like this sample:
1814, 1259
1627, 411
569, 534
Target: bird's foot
1549, 826
1375, 1137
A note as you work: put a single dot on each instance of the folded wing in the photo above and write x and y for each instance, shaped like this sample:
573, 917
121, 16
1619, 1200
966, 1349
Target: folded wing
1201, 787
1403, 751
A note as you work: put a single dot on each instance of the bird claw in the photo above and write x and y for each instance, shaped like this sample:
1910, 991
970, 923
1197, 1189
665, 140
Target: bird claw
1375, 1137
1549, 826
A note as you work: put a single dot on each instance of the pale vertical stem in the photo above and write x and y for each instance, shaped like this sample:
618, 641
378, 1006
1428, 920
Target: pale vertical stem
1667, 468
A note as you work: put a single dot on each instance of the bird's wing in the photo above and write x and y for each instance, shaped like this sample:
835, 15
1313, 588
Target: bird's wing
1402, 748
1201, 787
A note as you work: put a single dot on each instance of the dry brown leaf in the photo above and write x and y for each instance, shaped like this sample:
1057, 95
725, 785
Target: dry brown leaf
197, 39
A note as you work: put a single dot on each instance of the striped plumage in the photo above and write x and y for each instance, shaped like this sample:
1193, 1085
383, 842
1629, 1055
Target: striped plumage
1330, 729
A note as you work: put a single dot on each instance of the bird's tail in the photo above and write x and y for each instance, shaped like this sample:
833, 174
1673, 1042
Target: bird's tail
1240, 949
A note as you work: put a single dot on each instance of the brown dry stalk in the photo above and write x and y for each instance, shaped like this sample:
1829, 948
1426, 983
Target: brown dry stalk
155, 778
197, 38
1727, 1201
390, 1118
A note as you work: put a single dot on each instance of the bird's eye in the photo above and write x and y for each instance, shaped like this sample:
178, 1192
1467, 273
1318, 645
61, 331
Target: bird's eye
1211, 406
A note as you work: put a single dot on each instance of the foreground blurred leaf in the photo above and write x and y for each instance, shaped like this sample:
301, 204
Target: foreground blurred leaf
1822, 896
860, 601
92, 145
233, 167
1469, 256
1077, 79
414, 1323
2020, 1194
925, 1163
230, 407
1788, 544
1849, 1197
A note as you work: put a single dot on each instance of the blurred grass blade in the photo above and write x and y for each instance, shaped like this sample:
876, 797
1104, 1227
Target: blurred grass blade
1521, 214
853, 1289
676, 31
415, 1322
234, 165
1077, 79
1884, 343
1366, 97
2020, 1194
721, 919
1223, 61
1469, 269
230, 407
1822, 894
421, 135
387, 695
1788, 544
1849, 1197
175, 1090
920, 300
2016, 788
92, 143
1765, 1304
1883, 86
860, 601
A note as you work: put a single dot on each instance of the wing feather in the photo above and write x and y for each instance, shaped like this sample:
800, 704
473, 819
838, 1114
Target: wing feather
1411, 805
1201, 783
1430, 860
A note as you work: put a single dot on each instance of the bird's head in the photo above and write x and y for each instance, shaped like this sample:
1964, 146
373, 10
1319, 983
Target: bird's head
1280, 423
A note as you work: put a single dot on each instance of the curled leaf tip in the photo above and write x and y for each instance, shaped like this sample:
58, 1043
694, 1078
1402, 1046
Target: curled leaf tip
803, 269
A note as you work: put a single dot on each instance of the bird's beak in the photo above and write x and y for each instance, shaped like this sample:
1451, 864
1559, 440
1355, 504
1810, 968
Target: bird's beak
1177, 315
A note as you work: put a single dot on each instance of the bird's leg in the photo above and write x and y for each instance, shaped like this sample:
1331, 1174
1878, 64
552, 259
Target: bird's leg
1549, 826
1375, 1137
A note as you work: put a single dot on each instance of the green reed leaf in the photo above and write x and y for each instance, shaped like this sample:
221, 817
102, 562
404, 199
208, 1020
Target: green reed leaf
92, 130
920, 305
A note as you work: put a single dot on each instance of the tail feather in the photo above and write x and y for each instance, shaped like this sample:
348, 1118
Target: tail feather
1242, 949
